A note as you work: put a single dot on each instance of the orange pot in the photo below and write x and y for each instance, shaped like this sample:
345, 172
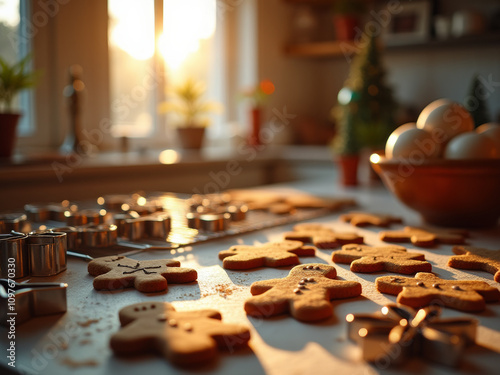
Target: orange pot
8, 126
255, 121
345, 27
348, 169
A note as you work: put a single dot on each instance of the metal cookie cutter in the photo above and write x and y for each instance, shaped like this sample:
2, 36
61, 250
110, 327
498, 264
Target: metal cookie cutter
238, 212
154, 226
25, 301
102, 235
72, 236
14, 261
13, 222
215, 222
402, 332
50, 211
47, 253
84, 217
120, 219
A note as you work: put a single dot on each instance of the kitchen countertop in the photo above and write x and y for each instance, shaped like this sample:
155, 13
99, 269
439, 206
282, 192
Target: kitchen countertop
78, 341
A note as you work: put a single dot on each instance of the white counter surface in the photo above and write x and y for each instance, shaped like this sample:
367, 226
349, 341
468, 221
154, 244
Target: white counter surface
78, 342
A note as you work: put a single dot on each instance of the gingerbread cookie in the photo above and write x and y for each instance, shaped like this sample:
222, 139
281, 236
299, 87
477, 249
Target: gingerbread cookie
305, 293
281, 208
310, 201
260, 199
363, 219
426, 289
183, 337
474, 258
425, 237
117, 272
385, 258
321, 236
271, 254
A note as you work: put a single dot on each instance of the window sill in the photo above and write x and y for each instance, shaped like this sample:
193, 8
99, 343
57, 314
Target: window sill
45, 178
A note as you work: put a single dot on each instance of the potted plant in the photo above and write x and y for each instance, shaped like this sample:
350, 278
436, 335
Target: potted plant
191, 110
13, 79
366, 107
346, 144
257, 96
347, 15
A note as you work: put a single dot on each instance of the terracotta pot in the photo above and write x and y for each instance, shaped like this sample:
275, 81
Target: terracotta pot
8, 135
191, 137
345, 27
255, 122
348, 169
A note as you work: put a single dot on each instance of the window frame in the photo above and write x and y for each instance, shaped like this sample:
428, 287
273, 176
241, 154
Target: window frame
61, 38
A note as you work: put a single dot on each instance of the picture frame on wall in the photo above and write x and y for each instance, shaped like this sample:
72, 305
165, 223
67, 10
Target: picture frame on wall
410, 25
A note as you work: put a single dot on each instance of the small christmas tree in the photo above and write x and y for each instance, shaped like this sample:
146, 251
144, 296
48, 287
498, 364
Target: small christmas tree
346, 142
476, 104
366, 102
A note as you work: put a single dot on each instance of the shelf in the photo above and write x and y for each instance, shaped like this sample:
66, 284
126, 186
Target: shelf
318, 49
335, 49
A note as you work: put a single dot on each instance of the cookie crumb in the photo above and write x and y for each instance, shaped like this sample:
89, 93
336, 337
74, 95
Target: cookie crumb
76, 364
88, 322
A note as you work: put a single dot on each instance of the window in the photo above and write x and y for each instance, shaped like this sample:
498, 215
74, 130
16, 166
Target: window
133, 50
131, 38
183, 46
13, 48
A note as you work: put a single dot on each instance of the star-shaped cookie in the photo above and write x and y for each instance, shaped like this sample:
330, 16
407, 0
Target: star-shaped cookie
117, 272
363, 219
384, 258
183, 337
425, 237
475, 258
426, 289
271, 254
321, 236
305, 293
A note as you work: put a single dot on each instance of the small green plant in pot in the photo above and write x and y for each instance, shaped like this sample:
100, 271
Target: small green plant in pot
190, 112
345, 144
365, 113
13, 79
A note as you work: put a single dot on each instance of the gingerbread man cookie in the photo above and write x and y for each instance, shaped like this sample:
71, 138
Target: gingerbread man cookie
311, 201
260, 199
425, 237
321, 236
426, 289
474, 258
271, 254
305, 293
281, 208
363, 219
183, 337
117, 272
385, 258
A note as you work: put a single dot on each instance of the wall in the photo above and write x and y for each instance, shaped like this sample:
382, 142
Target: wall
421, 76
64, 33
418, 76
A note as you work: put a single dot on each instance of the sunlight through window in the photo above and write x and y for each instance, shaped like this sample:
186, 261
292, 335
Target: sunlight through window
185, 25
133, 28
132, 47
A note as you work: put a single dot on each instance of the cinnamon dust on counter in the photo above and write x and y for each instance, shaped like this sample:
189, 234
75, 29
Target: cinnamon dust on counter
223, 290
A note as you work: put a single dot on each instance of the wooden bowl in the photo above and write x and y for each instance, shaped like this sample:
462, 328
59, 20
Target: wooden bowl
452, 193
